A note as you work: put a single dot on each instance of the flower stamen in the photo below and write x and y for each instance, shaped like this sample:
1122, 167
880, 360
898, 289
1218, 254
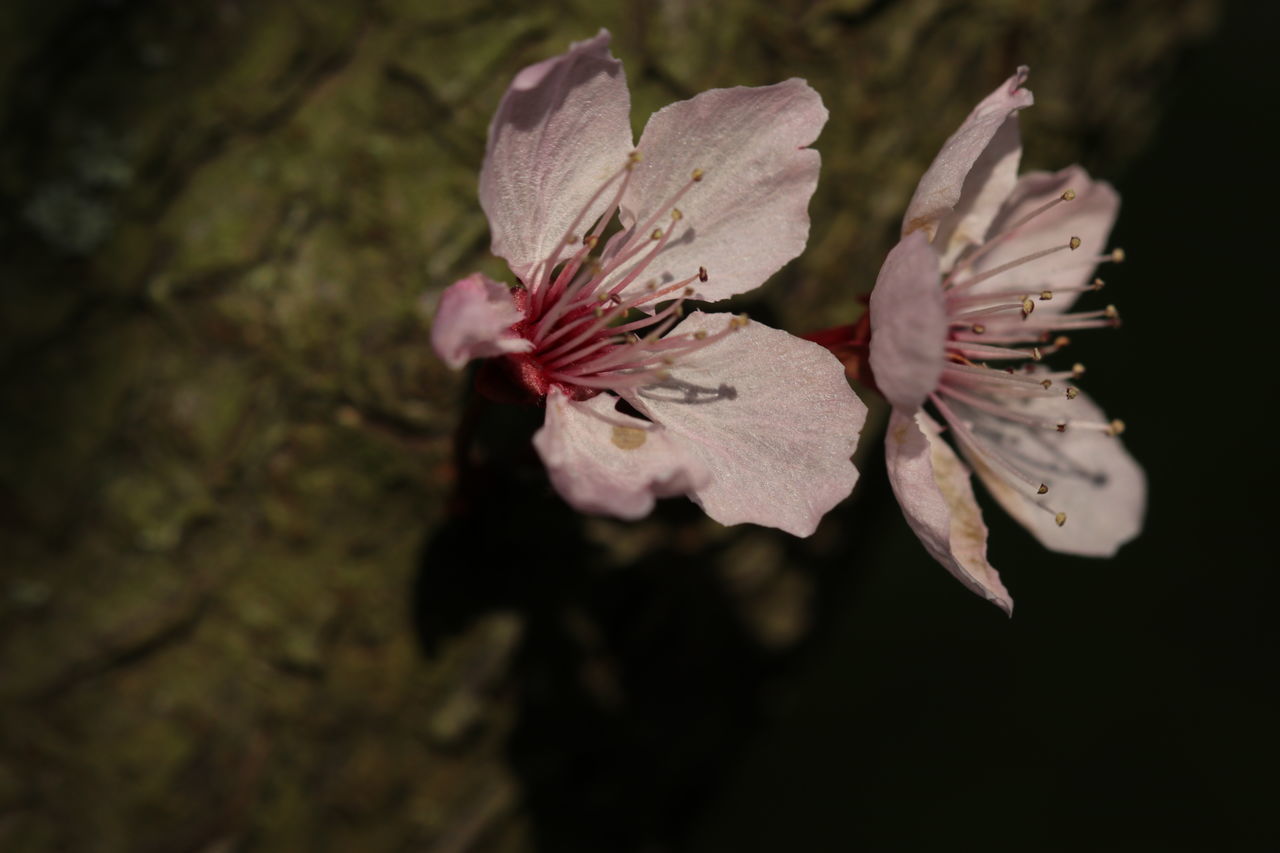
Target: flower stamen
1013, 229
950, 285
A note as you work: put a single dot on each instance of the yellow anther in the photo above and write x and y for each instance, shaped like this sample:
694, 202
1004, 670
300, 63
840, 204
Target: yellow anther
571, 239
1077, 370
662, 375
591, 241
633, 158
1074, 243
688, 291
1117, 255
1061, 341
978, 329
1046, 295
1046, 384
1060, 519
676, 215
1036, 355
699, 335
1116, 427
697, 175
1027, 306
1112, 312
1069, 195
1072, 393
1098, 284
1043, 490
599, 312
739, 321
656, 235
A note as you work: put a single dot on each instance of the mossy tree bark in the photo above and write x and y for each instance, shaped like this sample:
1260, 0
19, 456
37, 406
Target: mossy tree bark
237, 608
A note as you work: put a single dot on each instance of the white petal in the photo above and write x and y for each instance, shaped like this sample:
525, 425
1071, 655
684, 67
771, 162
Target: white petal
770, 415
1089, 216
749, 214
562, 129
603, 461
1090, 475
932, 486
908, 324
986, 187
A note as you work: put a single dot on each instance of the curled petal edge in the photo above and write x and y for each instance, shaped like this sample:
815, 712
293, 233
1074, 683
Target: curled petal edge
474, 319
942, 184
933, 488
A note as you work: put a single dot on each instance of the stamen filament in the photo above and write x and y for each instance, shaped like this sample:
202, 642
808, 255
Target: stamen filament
959, 318
574, 356
992, 353
998, 410
539, 291
659, 245
665, 208
611, 382
987, 374
1004, 268
1011, 230
981, 448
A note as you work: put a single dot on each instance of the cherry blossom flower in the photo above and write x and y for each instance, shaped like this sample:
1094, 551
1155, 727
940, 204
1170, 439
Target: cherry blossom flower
967, 305
642, 400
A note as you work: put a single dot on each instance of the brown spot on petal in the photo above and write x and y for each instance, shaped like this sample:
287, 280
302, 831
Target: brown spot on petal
628, 438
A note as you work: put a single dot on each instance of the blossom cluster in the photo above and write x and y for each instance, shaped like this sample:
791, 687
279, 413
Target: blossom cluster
612, 243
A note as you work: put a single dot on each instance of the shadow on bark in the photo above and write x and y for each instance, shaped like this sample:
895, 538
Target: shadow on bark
635, 684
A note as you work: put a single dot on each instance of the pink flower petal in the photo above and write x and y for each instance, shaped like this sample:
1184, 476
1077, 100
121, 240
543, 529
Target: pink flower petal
992, 178
749, 214
1091, 477
908, 324
603, 461
563, 128
941, 187
1089, 216
771, 416
474, 320
932, 486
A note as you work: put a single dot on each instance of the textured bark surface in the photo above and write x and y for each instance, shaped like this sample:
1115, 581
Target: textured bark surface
237, 608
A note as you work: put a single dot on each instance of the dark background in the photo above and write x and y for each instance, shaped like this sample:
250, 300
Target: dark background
1130, 704
248, 602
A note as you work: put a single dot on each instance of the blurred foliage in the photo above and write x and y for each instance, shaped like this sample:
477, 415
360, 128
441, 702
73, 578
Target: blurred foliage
235, 612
